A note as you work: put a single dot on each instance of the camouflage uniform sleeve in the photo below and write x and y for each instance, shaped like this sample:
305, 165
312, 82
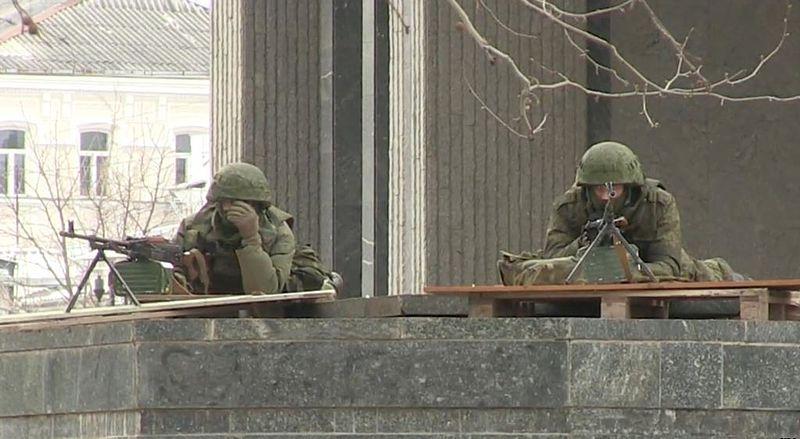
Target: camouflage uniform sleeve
563, 235
665, 252
282, 254
267, 272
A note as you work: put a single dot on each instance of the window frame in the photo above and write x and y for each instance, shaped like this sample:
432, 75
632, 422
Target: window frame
14, 186
186, 157
97, 159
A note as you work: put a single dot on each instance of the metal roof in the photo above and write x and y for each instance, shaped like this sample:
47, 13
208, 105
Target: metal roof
114, 38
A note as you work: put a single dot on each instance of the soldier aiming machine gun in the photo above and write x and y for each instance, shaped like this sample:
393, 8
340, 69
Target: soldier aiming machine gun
154, 248
605, 233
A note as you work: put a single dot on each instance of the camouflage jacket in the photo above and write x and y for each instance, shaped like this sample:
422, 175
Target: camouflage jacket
228, 262
654, 226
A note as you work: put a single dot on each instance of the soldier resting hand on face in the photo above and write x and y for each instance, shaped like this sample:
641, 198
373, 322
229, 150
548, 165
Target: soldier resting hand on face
247, 242
652, 224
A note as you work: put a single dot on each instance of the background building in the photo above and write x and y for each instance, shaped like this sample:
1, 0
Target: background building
104, 121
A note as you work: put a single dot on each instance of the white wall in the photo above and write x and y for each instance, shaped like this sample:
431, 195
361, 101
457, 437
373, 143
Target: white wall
142, 117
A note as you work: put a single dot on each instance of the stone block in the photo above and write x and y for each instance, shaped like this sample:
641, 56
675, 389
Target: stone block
485, 329
306, 329
343, 308
604, 421
731, 423
38, 427
761, 377
103, 424
614, 374
87, 379
691, 375
283, 421
407, 305
407, 421
417, 305
459, 374
515, 436
657, 329
25, 427
70, 336
360, 374
61, 380
172, 330
187, 422
21, 387
105, 379
68, 426
508, 421
773, 332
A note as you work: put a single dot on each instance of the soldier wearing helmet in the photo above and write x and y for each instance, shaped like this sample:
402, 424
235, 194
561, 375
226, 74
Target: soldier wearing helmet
653, 222
248, 242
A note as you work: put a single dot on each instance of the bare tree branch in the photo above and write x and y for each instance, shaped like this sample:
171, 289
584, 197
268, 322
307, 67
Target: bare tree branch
646, 113
586, 15
597, 66
634, 82
486, 108
503, 24
680, 49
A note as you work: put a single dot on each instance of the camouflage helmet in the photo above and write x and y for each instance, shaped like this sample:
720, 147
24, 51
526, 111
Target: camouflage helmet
609, 162
239, 181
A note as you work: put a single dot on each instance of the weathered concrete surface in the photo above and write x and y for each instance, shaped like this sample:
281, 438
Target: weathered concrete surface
418, 377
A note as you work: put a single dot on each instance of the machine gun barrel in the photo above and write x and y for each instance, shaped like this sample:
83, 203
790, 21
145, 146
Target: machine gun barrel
95, 241
156, 249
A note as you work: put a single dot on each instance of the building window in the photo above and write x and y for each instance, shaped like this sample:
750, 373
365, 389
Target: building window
12, 162
93, 162
183, 150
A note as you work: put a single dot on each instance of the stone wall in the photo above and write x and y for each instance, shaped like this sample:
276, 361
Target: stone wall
416, 377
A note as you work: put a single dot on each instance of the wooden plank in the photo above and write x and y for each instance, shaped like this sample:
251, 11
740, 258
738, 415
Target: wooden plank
482, 307
224, 311
615, 308
149, 298
503, 289
754, 307
654, 294
206, 302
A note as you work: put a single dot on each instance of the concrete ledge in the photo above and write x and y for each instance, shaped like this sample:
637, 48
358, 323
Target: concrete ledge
421, 376
410, 305
423, 423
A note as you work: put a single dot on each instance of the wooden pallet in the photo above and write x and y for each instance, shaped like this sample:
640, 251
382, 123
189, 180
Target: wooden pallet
758, 300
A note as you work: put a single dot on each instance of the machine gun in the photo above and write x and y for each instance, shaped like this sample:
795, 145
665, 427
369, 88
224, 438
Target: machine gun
155, 248
604, 232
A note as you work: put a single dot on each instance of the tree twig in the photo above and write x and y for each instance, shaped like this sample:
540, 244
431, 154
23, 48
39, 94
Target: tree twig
502, 24
494, 115
597, 66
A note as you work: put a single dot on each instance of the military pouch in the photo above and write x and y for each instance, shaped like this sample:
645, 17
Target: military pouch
142, 276
530, 269
308, 272
607, 264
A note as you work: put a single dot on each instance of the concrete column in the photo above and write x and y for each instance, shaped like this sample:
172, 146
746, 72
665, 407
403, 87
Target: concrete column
406, 148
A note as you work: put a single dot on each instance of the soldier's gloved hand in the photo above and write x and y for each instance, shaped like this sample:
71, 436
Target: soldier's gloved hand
245, 218
588, 233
